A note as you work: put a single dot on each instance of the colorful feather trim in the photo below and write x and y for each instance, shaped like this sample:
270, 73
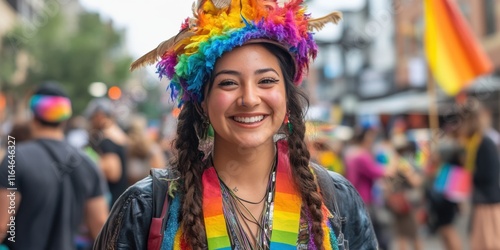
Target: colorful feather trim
189, 60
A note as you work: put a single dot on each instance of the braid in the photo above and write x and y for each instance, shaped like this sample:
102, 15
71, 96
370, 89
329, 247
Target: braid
298, 152
191, 167
299, 160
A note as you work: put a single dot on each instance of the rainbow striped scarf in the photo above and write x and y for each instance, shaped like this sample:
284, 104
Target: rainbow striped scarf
286, 214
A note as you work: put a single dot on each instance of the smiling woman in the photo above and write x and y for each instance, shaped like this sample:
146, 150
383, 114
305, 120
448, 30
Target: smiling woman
236, 66
246, 104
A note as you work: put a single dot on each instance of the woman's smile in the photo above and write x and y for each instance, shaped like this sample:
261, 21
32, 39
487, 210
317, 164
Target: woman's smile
248, 119
246, 103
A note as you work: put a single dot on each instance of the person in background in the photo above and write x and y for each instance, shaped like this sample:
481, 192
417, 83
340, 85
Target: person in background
483, 161
442, 212
362, 171
326, 155
143, 152
110, 142
21, 131
55, 184
405, 182
485, 119
76, 131
77, 136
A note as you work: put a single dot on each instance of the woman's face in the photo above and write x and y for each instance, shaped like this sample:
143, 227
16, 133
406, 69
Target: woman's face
246, 104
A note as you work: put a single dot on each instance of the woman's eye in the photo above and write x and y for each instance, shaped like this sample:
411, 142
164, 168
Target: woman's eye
227, 83
269, 80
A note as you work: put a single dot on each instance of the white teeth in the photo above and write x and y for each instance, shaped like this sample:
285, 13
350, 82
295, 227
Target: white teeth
249, 119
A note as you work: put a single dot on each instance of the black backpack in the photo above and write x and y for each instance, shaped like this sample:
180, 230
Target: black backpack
66, 179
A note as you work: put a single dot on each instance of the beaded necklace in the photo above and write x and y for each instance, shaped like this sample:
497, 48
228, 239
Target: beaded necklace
232, 206
283, 214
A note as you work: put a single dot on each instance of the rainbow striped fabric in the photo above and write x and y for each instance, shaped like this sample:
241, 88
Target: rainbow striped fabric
454, 54
51, 108
287, 204
215, 223
286, 213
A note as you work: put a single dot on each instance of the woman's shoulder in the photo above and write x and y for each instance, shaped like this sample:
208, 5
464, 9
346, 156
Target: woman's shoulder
347, 207
146, 189
338, 193
130, 218
142, 189
331, 178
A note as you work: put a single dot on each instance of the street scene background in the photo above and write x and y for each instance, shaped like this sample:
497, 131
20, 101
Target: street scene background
375, 73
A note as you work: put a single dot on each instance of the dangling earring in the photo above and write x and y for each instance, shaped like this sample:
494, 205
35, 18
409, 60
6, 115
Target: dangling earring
205, 139
288, 123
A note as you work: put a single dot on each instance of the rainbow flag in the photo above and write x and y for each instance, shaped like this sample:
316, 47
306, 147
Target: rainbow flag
455, 56
455, 182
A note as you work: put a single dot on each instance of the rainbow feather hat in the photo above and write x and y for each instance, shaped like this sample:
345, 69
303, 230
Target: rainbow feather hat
218, 26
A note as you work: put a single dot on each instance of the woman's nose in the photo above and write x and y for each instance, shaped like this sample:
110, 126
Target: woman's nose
249, 96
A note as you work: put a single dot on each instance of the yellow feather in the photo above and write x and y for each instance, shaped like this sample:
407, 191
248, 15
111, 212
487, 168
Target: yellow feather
146, 59
173, 41
153, 55
318, 23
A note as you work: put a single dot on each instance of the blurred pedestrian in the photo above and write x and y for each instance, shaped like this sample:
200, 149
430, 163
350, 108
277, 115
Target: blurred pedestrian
483, 160
110, 142
362, 171
77, 135
327, 154
21, 130
76, 131
442, 210
404, 186
254, 186
486, 121
143, 152
54, 183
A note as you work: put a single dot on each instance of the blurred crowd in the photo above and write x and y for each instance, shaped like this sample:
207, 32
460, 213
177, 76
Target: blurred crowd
417, 188
124, 151
412, 187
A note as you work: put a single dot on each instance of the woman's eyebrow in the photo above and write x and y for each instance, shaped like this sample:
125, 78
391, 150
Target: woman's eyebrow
262, 71
237, 73
229, 72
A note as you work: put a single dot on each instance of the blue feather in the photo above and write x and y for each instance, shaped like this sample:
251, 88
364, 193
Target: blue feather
172, 223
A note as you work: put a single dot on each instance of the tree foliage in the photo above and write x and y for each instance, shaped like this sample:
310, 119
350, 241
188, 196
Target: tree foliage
71, 50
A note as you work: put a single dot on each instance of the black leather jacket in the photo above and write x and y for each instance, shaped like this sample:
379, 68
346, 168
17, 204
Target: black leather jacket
128, 224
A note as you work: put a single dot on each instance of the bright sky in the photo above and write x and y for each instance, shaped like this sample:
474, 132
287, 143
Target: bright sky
149, 22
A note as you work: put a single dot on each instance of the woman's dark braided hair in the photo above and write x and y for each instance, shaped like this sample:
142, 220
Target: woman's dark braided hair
299, 155
189, 163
